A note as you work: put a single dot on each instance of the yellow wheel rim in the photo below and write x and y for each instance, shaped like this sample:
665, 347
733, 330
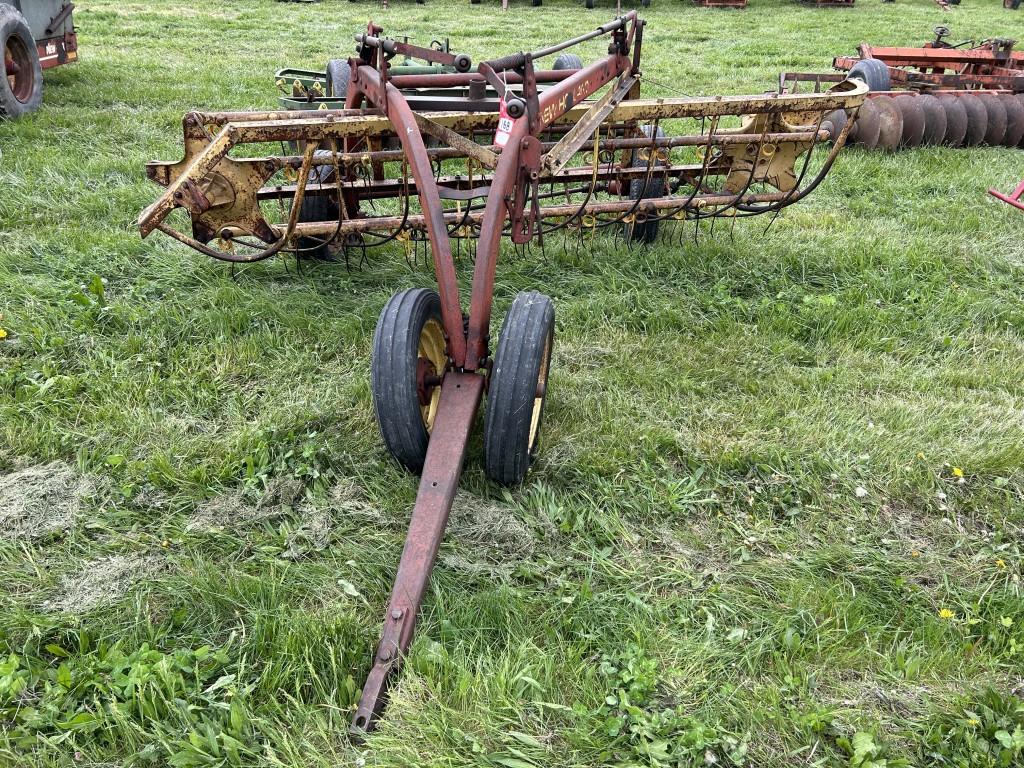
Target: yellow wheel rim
431, 347
542, 390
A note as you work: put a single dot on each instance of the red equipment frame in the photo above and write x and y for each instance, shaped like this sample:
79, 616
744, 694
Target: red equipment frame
461, 389
992, 65
1015, 198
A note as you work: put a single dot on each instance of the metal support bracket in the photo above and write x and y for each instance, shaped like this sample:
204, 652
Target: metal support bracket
482, 155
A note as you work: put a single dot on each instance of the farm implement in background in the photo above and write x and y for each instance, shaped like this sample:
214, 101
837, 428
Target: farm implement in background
34, 35
956, 95
743, 3
442, 158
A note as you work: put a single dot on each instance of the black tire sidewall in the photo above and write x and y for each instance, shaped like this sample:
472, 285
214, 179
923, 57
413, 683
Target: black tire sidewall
873, 72
13, 24
338, 75
317, 208
567, 61
644, 231
528, 327
393, 374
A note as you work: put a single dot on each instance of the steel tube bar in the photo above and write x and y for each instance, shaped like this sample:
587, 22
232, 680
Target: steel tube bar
460, 398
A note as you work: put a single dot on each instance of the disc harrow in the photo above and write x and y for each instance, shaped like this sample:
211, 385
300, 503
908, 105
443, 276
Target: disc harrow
433, 162
962, 95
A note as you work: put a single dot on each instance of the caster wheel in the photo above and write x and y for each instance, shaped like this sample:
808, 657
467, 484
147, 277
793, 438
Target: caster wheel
643, 230
409, 360
518, 388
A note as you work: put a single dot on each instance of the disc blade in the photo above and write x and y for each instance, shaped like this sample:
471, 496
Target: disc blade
956, 121
913, 120
934, 120
867, 124
977, 119
1014, 119
890, 129
834, 122
1020, 98
995, 132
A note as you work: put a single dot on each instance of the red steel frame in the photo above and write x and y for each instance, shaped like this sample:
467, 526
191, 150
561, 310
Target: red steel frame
1015, 198
986, 66
462, 386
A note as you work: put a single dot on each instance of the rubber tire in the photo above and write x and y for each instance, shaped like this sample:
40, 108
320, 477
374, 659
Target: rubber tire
567, 61
393, 374
873, 72
536, 3
14, 25
646, 231
317, 208
529, 326
338, 75
589, 4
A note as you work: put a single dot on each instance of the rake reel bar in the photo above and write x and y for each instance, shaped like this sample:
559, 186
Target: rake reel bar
534, 152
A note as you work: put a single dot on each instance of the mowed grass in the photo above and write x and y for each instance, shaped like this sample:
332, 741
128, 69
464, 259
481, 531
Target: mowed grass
776, 520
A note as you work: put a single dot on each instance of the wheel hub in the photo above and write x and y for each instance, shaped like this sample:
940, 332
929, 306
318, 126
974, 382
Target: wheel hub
426, 380
18, 69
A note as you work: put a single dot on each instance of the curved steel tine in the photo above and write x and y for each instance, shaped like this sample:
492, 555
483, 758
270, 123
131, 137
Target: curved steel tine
363, 253
771, 220
346, 254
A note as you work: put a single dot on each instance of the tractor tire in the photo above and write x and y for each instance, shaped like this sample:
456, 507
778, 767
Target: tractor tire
518, 387
22, 91
873, 72
338, 75
409, 347
642, 188
567, 61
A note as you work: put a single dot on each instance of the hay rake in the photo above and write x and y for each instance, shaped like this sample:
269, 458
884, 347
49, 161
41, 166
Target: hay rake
508, 150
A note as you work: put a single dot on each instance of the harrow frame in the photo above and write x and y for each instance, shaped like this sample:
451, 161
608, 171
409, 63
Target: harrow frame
551, 118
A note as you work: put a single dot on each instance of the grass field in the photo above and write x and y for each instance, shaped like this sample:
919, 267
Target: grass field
776, 521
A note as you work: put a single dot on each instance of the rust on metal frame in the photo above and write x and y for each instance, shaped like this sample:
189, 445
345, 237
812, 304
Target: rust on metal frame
557, 114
